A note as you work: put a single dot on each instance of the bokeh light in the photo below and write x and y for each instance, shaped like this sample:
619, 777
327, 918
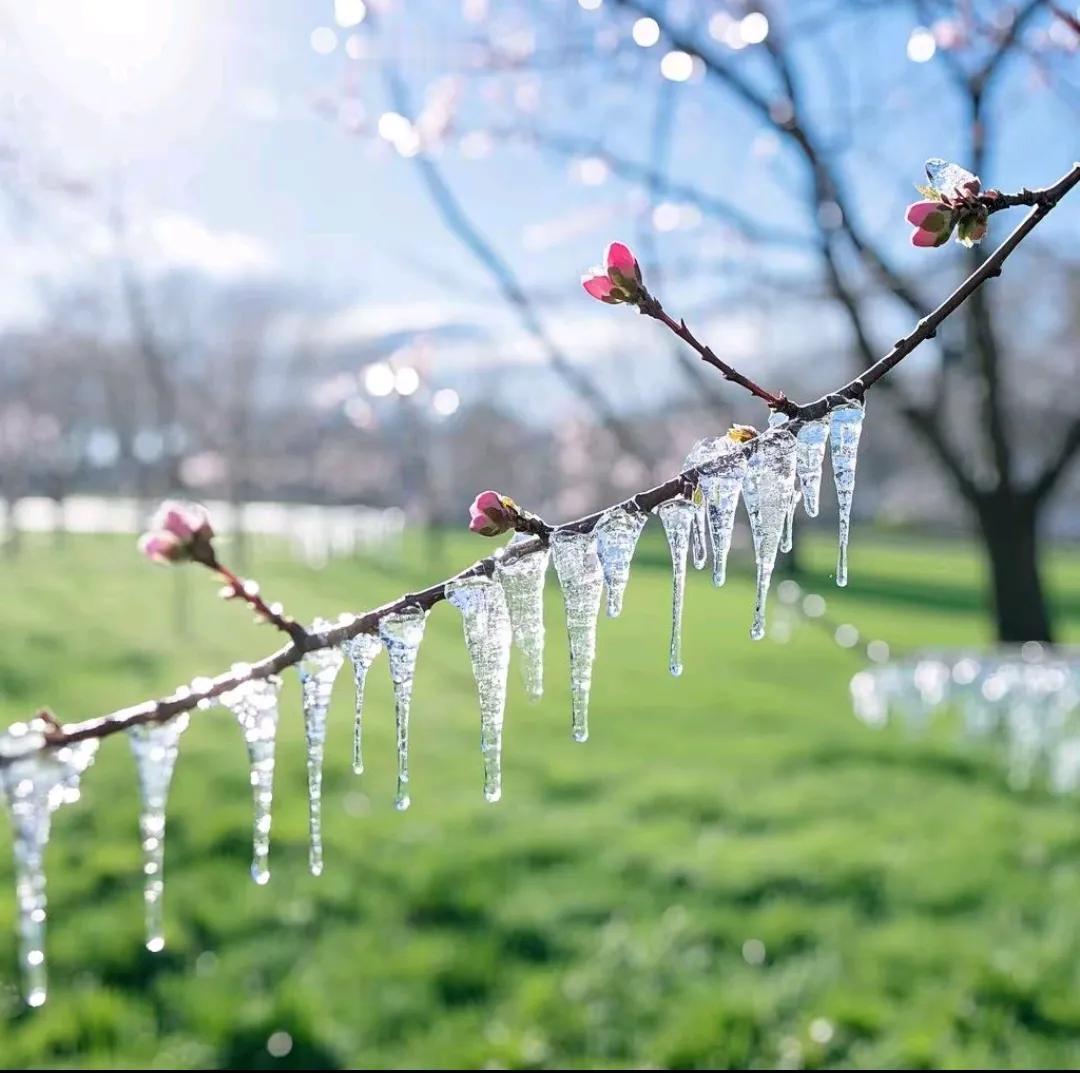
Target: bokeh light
646, 32
754, 28
379, 379
921, 45
323, 40
677, 66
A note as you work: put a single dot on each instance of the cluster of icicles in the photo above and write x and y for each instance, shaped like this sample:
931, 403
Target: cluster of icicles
1026, 697
778, 469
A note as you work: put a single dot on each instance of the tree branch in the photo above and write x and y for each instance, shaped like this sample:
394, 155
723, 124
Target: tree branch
457, 221
1058, 465
192, 698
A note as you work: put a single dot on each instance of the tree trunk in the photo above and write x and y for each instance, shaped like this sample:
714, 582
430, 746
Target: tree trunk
1009, 523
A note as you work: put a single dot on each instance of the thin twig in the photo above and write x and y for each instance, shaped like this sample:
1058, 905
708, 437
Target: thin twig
193, 697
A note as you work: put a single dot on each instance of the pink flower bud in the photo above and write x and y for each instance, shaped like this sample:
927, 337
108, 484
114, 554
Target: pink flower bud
598, 285
922, 237
161, 547
933, 223
183, 520
620, 260
179, 532
491, 514
918, 213
619, 281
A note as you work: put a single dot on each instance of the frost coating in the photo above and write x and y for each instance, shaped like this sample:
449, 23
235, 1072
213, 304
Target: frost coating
317, 671
401, 632
721, 463
155, 747
35, 783
486, 620
677, 517
582, 582
768, 488
522, 580
811, 442
845, 428
617, 533
255, 706
361, 650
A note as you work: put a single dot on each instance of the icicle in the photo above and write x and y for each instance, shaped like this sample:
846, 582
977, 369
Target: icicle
522, 580
317, 671
617, 534
699, 540
155, 747
677, 517
361, 650
721, 463
788, 538
768, 488
255, 706
35, 781
845, 428
486, 620
402, 632
810, 446
582, 582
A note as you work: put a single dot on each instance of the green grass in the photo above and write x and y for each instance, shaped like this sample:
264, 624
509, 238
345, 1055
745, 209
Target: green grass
914, 912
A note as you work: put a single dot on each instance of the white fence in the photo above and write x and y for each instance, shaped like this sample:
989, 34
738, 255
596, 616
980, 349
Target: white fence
315, 533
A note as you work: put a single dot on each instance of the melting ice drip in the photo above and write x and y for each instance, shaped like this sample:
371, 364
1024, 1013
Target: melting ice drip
617, 534
582, 582
768, 489
155, 747
811, 443
486, 620
722, 464
401, 632
845, 428
35, 782
522, 581
255, 706
317, 671
361, 650
678, 518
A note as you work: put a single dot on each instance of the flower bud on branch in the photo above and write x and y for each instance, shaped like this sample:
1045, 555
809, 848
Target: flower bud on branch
181, 532
492, 514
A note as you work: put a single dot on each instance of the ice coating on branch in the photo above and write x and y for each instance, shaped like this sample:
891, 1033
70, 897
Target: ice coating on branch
401, 632
617, 534
721, 462
582, 583
678, 517
845, 428
155, 747
768, 488
486, 620
522, 580
317, 671
255, 706
35, 782
361, 650
811, 442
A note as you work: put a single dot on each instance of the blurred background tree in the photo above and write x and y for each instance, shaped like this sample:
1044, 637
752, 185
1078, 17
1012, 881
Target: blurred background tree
386, 313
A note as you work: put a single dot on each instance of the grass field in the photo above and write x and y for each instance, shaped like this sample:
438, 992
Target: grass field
731, 872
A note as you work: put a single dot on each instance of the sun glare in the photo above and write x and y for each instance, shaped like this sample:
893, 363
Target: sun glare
120, 56
122, 36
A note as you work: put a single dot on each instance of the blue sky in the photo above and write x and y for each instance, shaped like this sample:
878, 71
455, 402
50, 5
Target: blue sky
228, 134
